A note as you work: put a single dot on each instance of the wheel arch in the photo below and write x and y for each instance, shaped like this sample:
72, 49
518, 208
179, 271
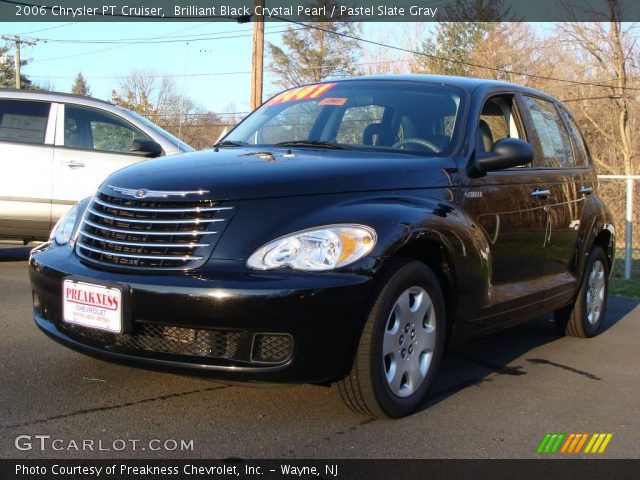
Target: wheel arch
435, 254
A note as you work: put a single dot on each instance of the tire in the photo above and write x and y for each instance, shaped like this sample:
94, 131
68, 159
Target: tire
401, 344
585, 316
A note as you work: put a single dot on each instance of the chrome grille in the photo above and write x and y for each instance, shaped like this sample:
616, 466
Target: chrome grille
150, 234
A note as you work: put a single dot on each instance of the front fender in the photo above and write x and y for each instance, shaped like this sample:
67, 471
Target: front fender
400, 219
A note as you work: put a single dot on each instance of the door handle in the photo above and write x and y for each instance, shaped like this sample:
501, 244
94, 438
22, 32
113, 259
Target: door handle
543, 194
73, 164
586, 190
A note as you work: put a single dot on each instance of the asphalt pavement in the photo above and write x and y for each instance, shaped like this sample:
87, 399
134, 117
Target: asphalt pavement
496, 397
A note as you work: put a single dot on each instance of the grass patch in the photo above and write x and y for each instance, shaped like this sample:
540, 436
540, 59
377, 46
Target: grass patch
617, 284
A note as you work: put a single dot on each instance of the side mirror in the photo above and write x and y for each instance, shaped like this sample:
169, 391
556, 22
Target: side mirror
506, 153
145, 147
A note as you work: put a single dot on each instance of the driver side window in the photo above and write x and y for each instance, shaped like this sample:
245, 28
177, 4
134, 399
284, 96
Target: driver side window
497, 121
87, 128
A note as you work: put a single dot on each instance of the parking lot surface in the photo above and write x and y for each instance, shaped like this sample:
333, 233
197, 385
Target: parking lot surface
496, 397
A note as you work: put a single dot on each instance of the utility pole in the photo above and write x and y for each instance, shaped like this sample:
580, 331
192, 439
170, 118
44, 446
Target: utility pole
257, 57
18, 41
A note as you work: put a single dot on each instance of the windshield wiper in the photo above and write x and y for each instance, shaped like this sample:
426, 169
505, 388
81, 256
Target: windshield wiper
230, 143
312, 143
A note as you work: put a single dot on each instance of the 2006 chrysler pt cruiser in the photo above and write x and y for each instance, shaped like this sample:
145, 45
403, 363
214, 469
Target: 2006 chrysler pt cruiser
343, 232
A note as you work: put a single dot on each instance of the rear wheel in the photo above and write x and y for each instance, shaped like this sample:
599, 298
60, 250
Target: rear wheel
585, 317
401, 345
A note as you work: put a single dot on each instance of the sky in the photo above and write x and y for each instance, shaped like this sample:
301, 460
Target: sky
214, 71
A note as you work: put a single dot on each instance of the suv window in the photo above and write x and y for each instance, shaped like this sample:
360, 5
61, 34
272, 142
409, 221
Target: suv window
581, 152
497, 121
91, 129
23, 121
398, 117
552, 135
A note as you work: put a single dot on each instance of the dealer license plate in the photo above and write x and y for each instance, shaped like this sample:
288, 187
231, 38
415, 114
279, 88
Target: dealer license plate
94, 306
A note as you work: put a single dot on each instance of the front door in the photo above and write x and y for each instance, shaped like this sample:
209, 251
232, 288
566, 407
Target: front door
92, 144
511, 214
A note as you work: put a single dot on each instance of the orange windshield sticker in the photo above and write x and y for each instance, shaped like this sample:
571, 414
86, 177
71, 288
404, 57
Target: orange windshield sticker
332, 101
301, 93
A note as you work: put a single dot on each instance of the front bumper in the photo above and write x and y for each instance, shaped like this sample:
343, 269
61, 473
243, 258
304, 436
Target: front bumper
212, 322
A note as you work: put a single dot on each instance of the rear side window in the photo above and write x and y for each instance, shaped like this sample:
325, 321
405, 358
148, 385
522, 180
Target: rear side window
581, 152
552, 135
91, 129
23, 121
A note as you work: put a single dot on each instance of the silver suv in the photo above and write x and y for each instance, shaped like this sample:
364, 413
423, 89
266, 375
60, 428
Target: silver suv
56, 149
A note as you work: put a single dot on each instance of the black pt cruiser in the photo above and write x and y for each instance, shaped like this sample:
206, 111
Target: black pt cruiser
343, 232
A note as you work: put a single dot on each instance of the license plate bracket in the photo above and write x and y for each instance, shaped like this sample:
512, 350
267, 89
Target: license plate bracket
94, 304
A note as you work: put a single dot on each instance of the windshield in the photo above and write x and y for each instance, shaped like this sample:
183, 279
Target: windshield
183, 147
402, 116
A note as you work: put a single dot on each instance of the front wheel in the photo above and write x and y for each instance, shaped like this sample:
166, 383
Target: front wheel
401, 345
585, 317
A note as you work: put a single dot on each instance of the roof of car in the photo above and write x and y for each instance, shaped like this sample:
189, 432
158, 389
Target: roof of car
468, 84
47, 95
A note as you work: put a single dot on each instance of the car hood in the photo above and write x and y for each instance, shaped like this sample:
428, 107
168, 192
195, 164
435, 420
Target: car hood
238, 173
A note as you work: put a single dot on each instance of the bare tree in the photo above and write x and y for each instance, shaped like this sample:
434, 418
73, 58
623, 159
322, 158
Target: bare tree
157, 98
610, 50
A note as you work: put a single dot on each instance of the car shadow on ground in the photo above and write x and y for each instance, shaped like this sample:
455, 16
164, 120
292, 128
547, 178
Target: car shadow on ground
471, 362
15, 253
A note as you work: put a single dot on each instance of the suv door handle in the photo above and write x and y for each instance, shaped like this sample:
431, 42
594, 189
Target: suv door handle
543, 194
73, 164
586, 190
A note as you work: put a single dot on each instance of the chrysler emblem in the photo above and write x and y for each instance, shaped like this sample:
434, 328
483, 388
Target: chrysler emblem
144, 193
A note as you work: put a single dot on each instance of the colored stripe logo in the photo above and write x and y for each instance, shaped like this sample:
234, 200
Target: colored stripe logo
574, 443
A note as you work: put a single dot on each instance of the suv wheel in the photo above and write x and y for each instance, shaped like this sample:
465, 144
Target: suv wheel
400, 347
585, 317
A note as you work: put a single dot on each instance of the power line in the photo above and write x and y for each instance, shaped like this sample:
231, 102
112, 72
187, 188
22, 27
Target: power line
459, 62
201, 74
149, 41
178, 38
49, 28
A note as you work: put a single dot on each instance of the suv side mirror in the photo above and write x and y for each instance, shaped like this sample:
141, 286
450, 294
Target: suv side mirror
145, 147
506, 153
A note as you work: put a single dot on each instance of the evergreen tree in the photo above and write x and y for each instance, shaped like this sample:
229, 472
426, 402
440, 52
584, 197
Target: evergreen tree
8, 71
455, 40
311, 55
80, 86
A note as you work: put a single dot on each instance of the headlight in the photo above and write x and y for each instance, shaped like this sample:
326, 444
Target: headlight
63, 230
320, 248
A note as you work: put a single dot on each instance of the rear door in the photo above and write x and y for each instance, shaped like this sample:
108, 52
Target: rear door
564, 163
27, 130
90, 145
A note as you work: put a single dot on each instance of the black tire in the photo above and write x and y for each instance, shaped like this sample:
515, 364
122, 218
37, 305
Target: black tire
366, 389
578, 319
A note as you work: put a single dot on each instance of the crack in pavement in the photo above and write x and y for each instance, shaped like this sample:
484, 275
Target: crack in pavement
542, 361
112, 407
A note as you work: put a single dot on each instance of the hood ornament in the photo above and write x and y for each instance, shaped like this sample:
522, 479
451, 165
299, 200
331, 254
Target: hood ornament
144, 193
